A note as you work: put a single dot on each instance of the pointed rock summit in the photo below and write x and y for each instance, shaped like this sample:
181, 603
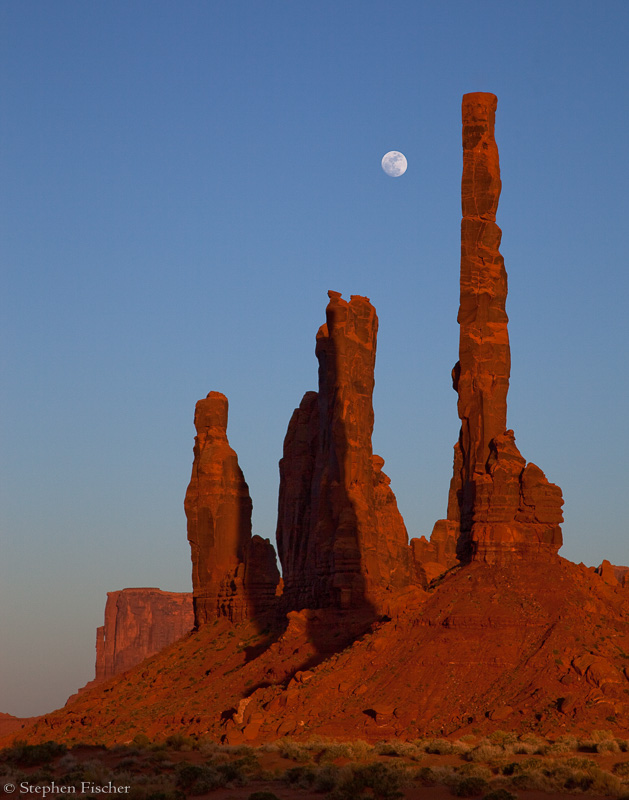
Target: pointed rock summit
234, 575
502, 506
341, 539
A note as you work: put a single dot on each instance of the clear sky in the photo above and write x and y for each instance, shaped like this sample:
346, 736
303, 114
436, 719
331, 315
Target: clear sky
182, 182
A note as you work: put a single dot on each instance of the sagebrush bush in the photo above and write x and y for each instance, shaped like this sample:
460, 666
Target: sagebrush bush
484, 752
199, 778
608, 746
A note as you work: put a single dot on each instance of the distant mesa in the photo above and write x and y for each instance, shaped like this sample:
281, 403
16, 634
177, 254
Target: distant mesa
138, 623
483, 626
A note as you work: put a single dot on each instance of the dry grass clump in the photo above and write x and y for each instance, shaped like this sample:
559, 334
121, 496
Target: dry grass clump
401, 749
564, 744
442, 747
485, 751
529, 744
504, 739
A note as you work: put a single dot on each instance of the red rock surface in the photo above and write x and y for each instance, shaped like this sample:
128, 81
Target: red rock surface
433, 557
613, 574
341, 539
233, 574
504, 507
516, 646
10, 725
138, 624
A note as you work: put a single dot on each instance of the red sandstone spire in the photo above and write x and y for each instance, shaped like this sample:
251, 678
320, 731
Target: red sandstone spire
340, 536
233, 575
503, 507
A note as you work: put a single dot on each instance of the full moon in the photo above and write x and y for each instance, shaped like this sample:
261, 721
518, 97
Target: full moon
394, 163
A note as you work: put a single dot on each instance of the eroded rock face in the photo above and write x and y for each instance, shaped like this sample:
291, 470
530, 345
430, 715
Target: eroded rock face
341, 539
138, 624
613, 574
504, 508
435, 556
233, 574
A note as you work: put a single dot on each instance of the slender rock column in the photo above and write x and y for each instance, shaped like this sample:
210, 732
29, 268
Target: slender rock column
502, 506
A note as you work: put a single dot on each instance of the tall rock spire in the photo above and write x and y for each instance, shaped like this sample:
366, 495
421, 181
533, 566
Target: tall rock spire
503, 507
341, 539
233, 574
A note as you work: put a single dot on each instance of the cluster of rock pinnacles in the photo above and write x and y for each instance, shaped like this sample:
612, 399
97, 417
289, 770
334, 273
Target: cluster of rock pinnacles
341, 540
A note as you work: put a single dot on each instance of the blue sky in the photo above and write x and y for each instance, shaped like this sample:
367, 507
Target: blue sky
181, 185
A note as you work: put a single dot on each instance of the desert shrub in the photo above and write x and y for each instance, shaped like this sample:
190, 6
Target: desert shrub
199, 778
398, 748
33, 755
577, 762
500, 794
601, 736
469, 787
67, 762
326, 779
439, 747
294, 751
484, 752
529, 744
425, 776
621, 768
95, 771
302, 776
530, 781
208, 747
178, 741
236, 771
604, 782
607, 746
503, 738
383, 781
565, 744
473, 770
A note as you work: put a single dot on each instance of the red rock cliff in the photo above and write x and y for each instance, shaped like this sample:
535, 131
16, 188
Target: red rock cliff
233, 574
341, 539
138, 624
503, 506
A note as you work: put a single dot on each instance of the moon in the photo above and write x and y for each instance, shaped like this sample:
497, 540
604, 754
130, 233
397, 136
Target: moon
394, 163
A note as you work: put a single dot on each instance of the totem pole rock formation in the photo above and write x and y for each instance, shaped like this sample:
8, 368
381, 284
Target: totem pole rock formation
234, 574
503, 507
341, 539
